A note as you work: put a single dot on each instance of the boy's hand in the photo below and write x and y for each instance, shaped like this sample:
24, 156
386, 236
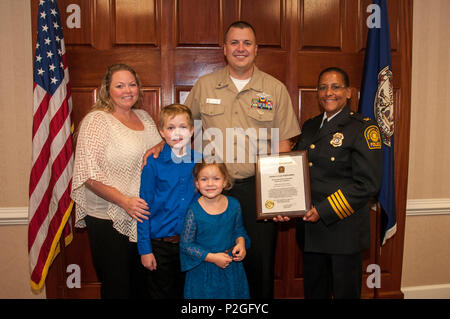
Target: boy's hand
149, 261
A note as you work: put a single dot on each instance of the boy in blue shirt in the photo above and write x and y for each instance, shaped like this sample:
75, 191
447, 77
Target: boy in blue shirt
168, 188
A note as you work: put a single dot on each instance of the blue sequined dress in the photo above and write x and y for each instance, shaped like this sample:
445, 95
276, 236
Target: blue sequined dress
202, 234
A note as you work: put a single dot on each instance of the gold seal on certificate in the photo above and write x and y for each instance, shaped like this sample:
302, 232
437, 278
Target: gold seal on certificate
282, 185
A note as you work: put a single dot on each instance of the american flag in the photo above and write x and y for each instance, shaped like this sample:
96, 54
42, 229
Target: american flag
52, 154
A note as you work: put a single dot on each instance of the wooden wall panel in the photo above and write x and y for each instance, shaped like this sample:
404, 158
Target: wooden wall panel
151, 102
135, 22
320, 24
91, 64
102, 25
80, 36
310, 64
82, 101
308, 104
189, 65
199, 22
268, 19
273, 62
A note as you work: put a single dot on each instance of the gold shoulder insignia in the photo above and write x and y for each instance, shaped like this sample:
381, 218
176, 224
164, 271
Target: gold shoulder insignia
367, 119
373, 137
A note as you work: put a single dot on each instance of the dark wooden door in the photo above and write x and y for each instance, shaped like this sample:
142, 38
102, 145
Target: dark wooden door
171, 43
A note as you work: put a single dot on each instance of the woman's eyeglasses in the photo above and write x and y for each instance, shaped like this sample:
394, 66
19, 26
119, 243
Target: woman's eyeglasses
333, 87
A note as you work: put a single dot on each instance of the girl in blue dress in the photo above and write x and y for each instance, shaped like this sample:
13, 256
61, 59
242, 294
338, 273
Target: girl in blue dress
213, 240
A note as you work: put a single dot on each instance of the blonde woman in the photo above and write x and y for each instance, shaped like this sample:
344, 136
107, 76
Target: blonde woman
111, 142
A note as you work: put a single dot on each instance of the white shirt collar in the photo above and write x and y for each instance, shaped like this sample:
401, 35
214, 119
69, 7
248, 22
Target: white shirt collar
329, 118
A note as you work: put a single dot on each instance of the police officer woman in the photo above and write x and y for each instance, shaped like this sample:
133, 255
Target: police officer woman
345, 159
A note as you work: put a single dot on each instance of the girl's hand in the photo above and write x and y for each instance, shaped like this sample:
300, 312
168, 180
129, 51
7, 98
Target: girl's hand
149, 261
136, 207
239, 251
221, 260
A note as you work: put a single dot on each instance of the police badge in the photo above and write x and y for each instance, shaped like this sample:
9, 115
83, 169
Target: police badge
336, 141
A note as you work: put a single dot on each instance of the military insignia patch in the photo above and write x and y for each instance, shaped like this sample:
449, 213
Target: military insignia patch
373, 137
263, 102
336, 141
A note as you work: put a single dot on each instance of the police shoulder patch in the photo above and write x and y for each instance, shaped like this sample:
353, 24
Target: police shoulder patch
373, 137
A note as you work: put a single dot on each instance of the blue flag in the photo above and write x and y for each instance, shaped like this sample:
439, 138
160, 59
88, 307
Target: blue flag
376, 102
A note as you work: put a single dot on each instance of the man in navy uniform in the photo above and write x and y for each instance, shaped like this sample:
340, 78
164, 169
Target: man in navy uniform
345, 160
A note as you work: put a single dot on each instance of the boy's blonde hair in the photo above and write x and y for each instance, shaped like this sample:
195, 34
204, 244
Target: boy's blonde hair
222, 168
172, 110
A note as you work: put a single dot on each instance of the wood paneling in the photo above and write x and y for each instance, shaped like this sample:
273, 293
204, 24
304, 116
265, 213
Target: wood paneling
267, 18
82, 100
199, 22
83, 35
151, 102
171, 43
321, 24
135, 22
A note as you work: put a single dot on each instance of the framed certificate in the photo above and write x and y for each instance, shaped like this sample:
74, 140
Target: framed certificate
282, 185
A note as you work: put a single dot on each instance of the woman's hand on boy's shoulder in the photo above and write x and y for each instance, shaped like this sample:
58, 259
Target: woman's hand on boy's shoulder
155, 150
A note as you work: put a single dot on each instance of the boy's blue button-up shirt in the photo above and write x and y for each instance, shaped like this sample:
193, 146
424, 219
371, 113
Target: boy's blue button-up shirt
167, 185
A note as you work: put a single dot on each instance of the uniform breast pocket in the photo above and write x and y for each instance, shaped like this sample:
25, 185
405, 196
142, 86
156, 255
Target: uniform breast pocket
340, 158
260, 118
212, 110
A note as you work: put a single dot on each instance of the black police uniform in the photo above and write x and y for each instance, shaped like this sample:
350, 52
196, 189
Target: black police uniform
345, 160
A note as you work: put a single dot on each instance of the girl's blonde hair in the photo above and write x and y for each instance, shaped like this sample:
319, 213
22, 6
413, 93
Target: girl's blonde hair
222, 168
104, 101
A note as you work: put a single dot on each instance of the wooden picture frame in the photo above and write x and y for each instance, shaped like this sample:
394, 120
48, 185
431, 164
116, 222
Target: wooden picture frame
282, 185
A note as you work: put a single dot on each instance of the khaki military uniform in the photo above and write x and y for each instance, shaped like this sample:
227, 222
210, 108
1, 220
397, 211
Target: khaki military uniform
263, 105
260, 114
